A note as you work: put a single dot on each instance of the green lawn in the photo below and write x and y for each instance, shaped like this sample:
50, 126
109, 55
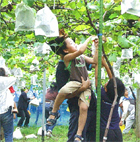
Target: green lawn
60, 135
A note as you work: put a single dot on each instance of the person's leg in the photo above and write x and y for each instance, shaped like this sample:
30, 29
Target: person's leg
73, 125
27, 118
22, 115
37, 114
7, 124
47, 110
89, 132
82, 118
69, 88
128, 125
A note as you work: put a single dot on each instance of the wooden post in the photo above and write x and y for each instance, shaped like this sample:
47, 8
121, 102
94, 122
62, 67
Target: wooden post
138, 113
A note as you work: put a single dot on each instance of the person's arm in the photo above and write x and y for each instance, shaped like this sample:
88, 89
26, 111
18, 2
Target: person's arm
71, 56
89, 60
85, 85
26, 98
107, 68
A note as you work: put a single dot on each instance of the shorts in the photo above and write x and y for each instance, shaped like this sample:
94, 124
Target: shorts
73, 86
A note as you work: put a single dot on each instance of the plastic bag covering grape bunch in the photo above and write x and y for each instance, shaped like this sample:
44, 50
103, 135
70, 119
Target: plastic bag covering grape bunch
46, 23
117, 64
127, 53
17, 72
127, 80
42, 48
25, 18
2, 61
131, 7
34, 79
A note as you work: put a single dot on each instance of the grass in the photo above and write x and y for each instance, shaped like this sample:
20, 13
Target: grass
60, 135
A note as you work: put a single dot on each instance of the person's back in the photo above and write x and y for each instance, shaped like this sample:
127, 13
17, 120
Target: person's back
23, 101
62, 75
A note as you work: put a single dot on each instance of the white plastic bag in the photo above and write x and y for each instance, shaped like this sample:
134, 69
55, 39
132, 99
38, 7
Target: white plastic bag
40, 131
17, 134
2, 61
34, 79
127, 53
34, 102
131, 7
31, 136
127, 80
25, 18
46, 23
42, 48
34, 68
116, 73
35, 62
117, 64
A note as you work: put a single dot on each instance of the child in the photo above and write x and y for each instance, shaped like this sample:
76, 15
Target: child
75, 63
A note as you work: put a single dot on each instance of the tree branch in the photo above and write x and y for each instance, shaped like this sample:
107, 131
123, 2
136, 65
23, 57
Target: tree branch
91, 23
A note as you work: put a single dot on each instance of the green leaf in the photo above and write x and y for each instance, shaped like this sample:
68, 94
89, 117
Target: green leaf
117, 8
130, 16
113, 15
113, 57
77, 15
123, 42
40, 38
137, 25
72, 5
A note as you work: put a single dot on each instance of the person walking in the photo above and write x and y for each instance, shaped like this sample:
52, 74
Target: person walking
22, 108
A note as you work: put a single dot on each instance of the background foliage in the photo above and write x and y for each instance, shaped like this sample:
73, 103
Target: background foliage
80, 19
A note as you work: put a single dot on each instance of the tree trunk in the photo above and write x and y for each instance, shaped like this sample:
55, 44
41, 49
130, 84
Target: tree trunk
138, 114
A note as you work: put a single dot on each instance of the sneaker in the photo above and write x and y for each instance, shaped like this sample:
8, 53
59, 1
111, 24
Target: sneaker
49, 134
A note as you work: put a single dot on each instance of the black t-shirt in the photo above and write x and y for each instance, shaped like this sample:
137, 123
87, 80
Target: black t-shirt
105, 111
62, 75
23, 101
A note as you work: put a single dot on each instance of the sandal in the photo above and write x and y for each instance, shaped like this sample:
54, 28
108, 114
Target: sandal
53, 121
80, 137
